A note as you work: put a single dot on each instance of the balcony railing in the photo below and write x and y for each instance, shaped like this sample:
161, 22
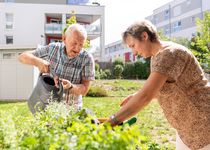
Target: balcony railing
53, 28
93, 29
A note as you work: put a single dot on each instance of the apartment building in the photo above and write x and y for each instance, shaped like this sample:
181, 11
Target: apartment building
178, 17
118, 50
175, 19
27, 23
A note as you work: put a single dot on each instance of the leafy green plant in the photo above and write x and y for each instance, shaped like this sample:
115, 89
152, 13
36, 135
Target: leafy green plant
200, 44
151, 124
97, 91
118, 61
129, 71
118, 69
62, 128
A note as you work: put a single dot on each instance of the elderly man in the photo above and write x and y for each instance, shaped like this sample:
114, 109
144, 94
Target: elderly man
67, 60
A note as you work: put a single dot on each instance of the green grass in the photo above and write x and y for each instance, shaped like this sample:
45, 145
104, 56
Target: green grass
151, 120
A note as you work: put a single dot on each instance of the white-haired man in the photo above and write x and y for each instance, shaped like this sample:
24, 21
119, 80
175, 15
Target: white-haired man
68, 61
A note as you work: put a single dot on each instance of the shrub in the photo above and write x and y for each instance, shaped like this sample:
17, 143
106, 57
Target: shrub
118, 69
97, 67
142, 69
97, 75
102, 74
108, 74
129, 71
118, 61
97, 91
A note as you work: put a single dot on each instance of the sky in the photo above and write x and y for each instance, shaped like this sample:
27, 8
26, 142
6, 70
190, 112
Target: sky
119, 14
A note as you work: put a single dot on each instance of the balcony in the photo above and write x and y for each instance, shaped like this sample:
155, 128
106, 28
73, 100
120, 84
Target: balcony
93, 29
54, 28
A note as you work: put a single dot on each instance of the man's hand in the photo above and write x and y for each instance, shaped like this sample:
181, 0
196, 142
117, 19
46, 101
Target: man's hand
66, 84
126, 100
56, 80
43, 66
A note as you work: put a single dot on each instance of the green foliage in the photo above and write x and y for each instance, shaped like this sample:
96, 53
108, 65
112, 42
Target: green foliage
162, 36
73, 20
86, 44
200, 44
183, 41
100, 74
60, 127
180, 40
108, 74
97, 91
118, 69
151, 121
142, 69
129, 71
70, 21
118, 61
153, 146
97, 67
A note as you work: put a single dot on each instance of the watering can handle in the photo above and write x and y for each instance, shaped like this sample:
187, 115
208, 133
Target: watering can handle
59, 80
51, 70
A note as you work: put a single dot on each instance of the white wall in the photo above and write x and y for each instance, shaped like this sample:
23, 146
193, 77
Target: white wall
206, 5
187, 33
29, 19
16, 79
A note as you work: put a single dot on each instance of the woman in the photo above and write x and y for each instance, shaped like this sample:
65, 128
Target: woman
177, 80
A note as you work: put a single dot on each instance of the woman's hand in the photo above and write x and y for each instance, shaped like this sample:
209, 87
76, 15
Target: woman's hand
66, 84
126, 100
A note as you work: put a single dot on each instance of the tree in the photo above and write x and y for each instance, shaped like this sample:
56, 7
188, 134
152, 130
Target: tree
201, 42
69, 21
73, 20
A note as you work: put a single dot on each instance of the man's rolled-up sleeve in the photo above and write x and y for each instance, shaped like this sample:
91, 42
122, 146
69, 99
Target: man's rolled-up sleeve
88, 72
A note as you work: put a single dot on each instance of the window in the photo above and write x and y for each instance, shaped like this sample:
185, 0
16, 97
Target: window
177, 26
166, 15
155, 19
177, 11
9, 39
9, 20
166, 30
57, 21
77, 1
9, 1
188, 2
193, 34
8, 55
193, 19
55, 40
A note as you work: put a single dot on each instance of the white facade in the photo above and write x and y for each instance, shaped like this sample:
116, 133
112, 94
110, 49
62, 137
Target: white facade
178, 17
25, 25
118, 50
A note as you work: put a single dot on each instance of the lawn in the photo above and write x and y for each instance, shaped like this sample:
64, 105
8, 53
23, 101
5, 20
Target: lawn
151, 120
